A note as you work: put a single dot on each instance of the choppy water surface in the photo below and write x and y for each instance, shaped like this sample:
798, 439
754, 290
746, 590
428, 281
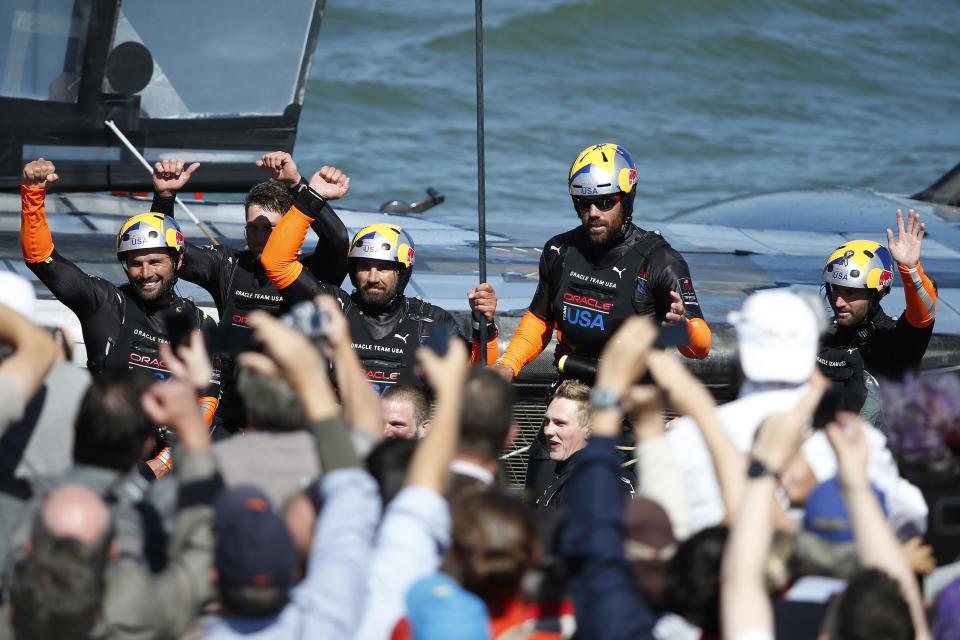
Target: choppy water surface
713, 98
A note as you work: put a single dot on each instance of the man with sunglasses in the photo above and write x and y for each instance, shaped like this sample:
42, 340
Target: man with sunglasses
234, 278
593, 278
600, 273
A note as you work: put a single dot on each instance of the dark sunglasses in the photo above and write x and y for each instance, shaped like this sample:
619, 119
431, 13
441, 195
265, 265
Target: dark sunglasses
602, 203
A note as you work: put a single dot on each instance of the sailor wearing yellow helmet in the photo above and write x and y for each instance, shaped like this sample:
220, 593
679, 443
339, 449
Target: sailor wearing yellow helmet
123, 325
603, 271
865, 343
386, 326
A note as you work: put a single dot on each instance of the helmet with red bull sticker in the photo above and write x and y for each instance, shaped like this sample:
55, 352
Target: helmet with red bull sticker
604, 169
386, 242
860, 264
149, 231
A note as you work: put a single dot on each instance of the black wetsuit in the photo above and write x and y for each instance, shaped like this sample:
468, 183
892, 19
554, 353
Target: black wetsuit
238, 284
120, 330
385, 338
589, 291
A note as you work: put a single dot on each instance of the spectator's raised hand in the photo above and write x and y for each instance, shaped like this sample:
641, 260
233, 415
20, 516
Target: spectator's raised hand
849, 440
685, 393
337, 331
170, 176
280, 166
40, 173
905, 249
483, 301
641, 405
445, 374
174, 404
330, 182
190, 363
623, 359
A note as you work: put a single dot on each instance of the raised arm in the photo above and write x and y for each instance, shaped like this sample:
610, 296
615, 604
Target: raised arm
744, 603
34, 352
920, 294
875, 542
80, 293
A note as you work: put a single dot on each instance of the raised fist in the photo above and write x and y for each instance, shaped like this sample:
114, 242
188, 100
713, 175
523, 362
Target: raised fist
40, 173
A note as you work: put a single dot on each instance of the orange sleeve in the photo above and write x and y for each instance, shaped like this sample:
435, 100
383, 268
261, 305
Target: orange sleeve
700, 339
493, 350
531, 338
279, 258
921, 296
208, 408
35, 239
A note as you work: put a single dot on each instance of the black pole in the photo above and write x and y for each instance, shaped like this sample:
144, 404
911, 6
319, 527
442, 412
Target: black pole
481, 183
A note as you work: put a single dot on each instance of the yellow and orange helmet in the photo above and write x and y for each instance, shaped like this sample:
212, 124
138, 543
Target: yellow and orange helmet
149, 231
383, 241
860, 264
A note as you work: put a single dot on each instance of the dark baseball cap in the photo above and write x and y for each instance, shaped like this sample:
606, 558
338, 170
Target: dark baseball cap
254, 548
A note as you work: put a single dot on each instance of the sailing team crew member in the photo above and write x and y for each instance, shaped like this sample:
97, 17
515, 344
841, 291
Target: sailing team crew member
865, 343
123, 325
594, 277
600, 273
234, 278
387, 327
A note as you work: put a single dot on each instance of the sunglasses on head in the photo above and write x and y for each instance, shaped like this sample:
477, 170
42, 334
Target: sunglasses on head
602, 203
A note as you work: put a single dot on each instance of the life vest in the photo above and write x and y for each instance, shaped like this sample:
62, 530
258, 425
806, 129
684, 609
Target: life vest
593, 301
137, 342
390, 360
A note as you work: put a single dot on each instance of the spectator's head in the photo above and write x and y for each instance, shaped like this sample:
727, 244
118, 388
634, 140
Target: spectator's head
58, 586
440, 609
693, 580
265, 205
856, 276
406, 412
566, 424
18, 295
255, 559
112, 430
150, 250
650, 546
777, 336
871, 606
388, 463
825, 513
486, 415
270, 404
380, 260
495, 543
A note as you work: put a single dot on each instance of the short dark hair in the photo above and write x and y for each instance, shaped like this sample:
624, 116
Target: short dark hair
111, 427
269, 404
416, 396
693, 579
269, 194
253, 602
486, 414
872, 606
388, 463
57, 591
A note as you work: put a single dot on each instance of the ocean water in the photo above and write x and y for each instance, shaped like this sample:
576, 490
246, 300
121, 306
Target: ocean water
713, 98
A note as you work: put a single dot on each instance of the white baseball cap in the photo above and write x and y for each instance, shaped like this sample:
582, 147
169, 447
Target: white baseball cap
17, 293
777, 336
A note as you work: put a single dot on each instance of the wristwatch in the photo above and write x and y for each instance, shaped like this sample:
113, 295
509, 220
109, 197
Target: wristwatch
757, 469
602, 398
